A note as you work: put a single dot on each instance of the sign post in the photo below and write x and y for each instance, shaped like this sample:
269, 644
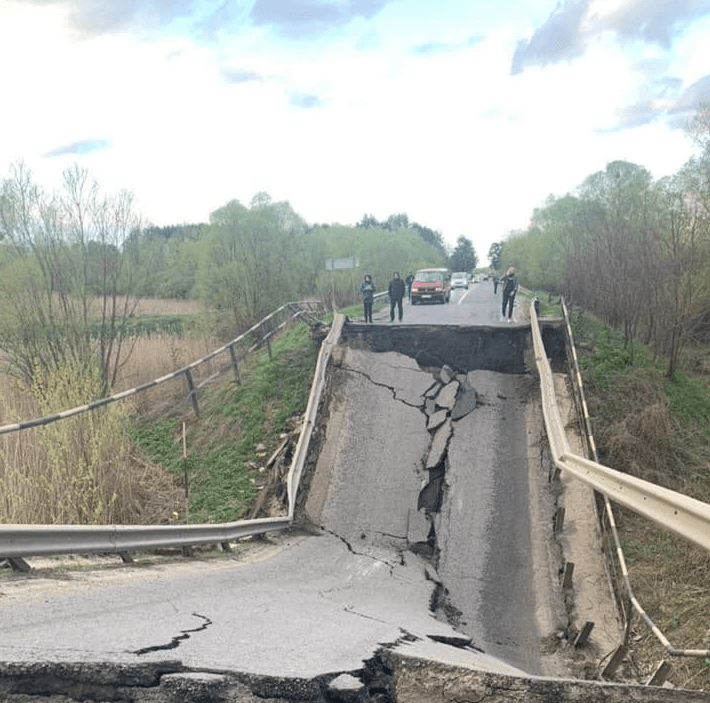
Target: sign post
339, 265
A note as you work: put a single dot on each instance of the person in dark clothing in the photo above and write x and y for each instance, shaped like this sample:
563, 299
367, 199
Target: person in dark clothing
396, 294
496, 281
408, 281
367, 291
510, 288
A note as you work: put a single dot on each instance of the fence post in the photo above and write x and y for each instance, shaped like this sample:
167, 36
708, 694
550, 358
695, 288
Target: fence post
268, 339
235, 365
192, 393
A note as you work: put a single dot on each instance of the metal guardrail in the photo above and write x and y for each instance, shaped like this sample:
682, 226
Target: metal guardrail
630, 600
685, 516
185, 370
18, 541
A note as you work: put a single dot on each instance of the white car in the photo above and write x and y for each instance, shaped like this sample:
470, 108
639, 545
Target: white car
459, 280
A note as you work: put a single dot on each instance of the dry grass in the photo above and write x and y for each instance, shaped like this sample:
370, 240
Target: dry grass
671, 580
85, 470
637, 433
158, 356
157, 306
81, 470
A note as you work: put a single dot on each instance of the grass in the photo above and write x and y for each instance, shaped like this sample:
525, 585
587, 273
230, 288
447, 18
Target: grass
656, 429
145, 481
238, 427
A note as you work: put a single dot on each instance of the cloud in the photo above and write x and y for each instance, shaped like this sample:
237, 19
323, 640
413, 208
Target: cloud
308, 18
664, 99
687, 104
93, 17
568, 30
82, 147
234, 76
561, 38
439, 47
658, 22
305, 100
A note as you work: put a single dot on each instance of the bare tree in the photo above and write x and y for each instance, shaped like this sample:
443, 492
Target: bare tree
62, 263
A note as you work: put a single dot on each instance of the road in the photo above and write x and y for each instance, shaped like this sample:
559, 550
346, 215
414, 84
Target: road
401, 516
476, 305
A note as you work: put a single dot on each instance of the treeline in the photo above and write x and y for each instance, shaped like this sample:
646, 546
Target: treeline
248, 260
74, 265
634, 250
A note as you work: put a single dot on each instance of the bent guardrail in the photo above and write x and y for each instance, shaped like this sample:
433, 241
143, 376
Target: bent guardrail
685, 516
18, 541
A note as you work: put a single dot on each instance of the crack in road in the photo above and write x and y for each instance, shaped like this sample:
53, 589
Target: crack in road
359, 554
175, 642
392, 389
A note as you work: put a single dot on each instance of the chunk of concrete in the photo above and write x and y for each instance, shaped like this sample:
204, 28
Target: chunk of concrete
447, 395
345, 689
446, 374
431, 393
439, 444
437, 419
465, 403
418, 526
429, 406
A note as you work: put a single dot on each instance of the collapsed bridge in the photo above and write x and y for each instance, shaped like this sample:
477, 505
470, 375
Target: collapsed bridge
421, 572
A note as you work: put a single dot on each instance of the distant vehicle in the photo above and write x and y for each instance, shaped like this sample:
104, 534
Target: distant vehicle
459, 280
431, 284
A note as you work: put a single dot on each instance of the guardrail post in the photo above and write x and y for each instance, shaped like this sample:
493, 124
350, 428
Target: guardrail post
583, 635
559, 520
616, 659
266, 335
567, 578
192, 393
659, 676
19, 565
235, 365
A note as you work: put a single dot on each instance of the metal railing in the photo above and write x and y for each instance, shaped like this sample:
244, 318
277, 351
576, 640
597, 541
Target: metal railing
18, 541
678, 513
264, 327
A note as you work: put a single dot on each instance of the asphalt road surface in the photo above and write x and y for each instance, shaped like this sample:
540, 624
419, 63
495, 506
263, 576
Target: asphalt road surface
328, 601
477, 305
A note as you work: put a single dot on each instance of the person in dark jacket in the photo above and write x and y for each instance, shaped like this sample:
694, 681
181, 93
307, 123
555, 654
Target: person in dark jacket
396, 293
367, 291
510, 288
408, 282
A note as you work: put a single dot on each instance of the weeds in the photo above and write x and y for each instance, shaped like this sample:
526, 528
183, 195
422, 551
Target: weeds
655, 429
224, 453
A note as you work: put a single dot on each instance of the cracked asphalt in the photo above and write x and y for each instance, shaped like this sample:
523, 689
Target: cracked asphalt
414, 548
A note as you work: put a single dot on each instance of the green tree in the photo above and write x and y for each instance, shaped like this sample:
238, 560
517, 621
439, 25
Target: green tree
252, 260
463, 257
494, 254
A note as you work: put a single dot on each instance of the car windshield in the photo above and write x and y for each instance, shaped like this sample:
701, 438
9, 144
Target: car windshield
428, 276
459, 275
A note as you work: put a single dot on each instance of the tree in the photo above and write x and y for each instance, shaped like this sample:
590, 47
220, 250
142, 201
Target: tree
253, 260
430, 236
463, 257
61, 274
494, 254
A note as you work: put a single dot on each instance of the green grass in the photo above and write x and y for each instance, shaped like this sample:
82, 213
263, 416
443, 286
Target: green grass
609, 354
235, 419
689, 399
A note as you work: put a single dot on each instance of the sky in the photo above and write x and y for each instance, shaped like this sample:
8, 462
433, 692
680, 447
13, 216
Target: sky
464, 114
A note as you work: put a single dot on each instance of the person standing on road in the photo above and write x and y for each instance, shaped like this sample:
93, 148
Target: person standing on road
396, 294
367, 291
496, 281
510, 288
409, 280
